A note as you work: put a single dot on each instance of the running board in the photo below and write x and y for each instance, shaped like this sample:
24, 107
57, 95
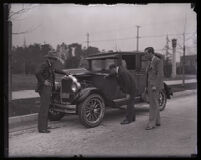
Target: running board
125, 99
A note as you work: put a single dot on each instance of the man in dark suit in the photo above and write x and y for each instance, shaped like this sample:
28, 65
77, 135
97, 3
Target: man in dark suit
154, 83
127, 84
46, 81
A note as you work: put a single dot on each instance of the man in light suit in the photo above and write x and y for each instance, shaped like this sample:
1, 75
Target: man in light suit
154, 83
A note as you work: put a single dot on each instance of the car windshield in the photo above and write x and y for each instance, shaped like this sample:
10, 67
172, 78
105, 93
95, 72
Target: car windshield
101, 64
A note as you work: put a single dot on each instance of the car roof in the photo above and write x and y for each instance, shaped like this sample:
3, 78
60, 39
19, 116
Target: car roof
112, 55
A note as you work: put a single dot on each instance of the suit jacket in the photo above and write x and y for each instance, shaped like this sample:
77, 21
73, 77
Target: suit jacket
154, 73
126, 81
46, 72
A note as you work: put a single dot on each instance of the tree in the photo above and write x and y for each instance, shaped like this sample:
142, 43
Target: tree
14, 15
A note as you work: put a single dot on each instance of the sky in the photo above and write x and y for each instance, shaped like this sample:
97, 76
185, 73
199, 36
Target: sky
110, 27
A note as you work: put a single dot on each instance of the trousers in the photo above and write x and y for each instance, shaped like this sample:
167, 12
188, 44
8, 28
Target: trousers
130, 110
154, 113
45, 95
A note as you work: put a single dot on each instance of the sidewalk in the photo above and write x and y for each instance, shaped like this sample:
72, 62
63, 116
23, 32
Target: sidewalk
24, 94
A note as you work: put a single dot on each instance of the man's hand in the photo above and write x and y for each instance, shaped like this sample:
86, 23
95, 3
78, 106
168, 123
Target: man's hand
106, 76
145, 90
153, 88
47, 83
127, 96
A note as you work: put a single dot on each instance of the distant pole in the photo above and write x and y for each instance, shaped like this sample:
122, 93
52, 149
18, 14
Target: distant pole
184, 51
174, 44
183, 64
167, 46
137, 37
8, 46
87, 40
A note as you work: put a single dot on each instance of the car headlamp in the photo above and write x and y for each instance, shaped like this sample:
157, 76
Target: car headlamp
75, 85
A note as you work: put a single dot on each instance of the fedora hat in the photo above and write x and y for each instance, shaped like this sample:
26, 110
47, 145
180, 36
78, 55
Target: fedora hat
52, 54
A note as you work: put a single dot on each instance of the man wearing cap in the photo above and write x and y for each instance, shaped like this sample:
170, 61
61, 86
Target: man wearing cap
154, 83
46, 78
127, 85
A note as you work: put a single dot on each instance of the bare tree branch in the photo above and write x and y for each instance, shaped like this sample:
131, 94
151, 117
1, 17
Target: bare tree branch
27, 31
21, 11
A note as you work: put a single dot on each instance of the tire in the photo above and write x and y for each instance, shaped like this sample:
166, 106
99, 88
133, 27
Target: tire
162, 100
54, 115
91, 111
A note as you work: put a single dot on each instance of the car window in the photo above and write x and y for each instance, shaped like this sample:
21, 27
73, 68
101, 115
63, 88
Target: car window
101, 64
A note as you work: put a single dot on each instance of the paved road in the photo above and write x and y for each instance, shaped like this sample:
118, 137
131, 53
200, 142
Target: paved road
176, 137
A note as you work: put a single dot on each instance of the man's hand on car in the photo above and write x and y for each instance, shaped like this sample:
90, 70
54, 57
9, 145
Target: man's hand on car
145, 90
153, 88
106, 76
127, 96
47, 83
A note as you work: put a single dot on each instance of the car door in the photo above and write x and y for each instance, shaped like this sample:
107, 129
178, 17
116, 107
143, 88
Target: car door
108, 86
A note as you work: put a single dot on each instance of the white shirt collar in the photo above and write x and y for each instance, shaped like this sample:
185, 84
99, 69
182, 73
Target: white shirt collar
152, 58
117, 70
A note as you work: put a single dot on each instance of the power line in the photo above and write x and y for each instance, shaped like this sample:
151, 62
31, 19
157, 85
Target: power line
130, 27
127, 38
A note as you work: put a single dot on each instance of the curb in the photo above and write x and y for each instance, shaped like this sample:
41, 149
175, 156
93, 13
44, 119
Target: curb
184, 93
24, 118
33, 117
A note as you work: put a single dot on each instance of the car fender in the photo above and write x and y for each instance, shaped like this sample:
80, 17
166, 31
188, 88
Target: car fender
83, 93
168, 90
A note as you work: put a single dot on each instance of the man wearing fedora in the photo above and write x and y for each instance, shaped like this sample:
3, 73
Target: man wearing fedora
46, 78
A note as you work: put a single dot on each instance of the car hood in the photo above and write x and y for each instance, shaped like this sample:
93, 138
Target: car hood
83, 72
76, 71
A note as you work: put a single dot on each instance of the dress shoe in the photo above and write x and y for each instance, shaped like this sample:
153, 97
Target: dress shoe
125, 121
44, 131
149, 128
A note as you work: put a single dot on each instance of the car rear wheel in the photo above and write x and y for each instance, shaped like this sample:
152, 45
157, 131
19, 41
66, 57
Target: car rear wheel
54, 115
162, 100
91, 111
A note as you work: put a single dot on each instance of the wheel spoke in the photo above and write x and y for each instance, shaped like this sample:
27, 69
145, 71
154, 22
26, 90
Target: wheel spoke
94, 117
88, 114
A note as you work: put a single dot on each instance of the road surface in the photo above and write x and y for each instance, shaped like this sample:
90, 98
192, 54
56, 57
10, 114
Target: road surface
177, 136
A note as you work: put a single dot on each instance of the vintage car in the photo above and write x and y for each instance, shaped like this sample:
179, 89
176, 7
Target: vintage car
87, 92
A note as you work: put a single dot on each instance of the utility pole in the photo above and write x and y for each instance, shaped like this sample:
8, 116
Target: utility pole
184, 50
183, 64
167, 46
138, 37
87, 40
174, 44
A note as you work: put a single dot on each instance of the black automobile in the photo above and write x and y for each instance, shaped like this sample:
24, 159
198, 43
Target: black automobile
87, 92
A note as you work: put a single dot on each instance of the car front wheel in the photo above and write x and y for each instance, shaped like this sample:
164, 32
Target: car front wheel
162, 100
91, 111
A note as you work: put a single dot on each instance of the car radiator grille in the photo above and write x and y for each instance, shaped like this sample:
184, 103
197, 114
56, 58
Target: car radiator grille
65, 89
